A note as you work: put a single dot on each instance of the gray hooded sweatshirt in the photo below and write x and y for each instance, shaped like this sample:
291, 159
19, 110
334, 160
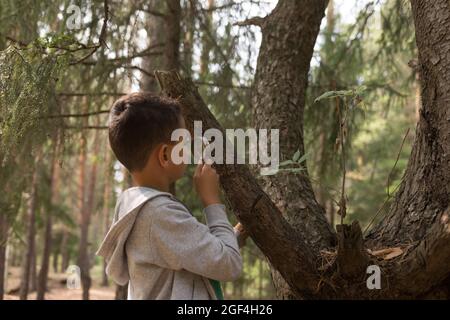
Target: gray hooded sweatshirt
163, 252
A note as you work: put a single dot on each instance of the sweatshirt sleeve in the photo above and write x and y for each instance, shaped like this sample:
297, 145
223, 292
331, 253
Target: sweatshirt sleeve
179, 241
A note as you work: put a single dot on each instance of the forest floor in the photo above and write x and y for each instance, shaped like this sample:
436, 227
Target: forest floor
57, 289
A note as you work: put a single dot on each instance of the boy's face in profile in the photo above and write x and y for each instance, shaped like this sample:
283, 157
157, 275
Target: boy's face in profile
160, 170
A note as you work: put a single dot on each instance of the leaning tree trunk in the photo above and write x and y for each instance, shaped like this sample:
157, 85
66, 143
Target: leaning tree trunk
278, 100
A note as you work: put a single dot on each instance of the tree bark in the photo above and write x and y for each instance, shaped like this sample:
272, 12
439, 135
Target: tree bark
33, 271
155, 31
188, 40
173, 31
206, 40
422, 204
65, 259
278, 100
55, 260
424, 192
3, 244
31, 233
83, 257
43, 272
54, 187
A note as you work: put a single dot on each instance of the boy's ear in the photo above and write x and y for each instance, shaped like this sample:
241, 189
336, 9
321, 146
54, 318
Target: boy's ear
163, 155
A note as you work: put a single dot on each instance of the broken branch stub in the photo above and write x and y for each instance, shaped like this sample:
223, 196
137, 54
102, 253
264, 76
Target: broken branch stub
351, 257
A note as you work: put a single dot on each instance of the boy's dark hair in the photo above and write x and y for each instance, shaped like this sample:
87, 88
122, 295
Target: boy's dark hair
138, 122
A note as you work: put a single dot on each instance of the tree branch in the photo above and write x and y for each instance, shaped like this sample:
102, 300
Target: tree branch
101, 40
82, 94
78, 115
254, 21
86, 127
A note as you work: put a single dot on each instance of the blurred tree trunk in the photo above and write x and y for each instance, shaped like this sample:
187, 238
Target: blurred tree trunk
206, 41
64, 249
172, 45
33, 271
15, 256
328, 201
55, 260
31, 234
54, 199
83, 257
43, 272
188, 39
3, 244
162, 31
91, 204
173, 32
155, 31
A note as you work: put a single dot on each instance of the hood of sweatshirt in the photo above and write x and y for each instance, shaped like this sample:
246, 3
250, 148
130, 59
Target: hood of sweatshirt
113, 246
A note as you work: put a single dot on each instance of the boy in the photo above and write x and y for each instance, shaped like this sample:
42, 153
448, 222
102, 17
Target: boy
155, 244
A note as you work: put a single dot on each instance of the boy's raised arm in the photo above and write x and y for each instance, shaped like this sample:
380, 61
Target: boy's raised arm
179, 241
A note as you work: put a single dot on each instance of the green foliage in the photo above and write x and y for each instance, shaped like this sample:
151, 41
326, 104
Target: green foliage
27, 88
294, 165
373, 51
27, 96
354, 94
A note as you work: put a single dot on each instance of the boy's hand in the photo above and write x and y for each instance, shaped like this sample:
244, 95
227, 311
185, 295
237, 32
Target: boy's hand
206, 182
241, 234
